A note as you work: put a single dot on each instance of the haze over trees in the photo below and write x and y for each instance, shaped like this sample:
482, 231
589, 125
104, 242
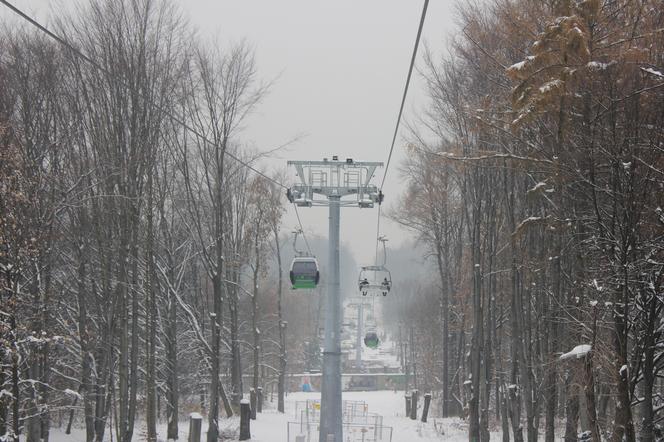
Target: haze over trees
138, 255
143, 265
134, 247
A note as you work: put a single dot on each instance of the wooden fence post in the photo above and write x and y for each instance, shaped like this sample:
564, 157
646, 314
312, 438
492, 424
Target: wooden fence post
245, 420
407, 396
425, 410
195, 424
252, 398
413, 405
259, 407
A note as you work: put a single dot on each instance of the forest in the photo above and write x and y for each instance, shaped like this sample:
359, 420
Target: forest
536, 182
134, 241
144, 257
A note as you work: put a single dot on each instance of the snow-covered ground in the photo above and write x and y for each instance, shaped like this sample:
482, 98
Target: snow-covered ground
272, 426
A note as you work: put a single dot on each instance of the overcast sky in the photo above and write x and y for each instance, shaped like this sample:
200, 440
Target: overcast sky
340, 68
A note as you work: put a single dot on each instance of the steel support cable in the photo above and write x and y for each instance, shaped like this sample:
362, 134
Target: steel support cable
377, 234
403, 102
405, 91
170, 115
306, 242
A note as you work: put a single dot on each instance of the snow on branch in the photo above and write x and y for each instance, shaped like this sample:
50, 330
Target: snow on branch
516, 70
530, 221
73, 393
653, 72
577, 352
493, 156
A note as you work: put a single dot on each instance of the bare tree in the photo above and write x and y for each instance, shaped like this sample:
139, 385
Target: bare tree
223, 91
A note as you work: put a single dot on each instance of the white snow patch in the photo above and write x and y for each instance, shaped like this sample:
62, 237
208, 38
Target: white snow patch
69, 392
35, 340
195, 415
597, 286
550, 85
537, 187
531, 219
599, 66
520, 65
653, 72
577, 31
272, 426
577, 352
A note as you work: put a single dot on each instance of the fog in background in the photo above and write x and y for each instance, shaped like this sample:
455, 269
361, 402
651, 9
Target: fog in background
337, 70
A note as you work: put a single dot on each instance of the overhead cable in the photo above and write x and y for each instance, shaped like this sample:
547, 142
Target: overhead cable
403, 102
405, 90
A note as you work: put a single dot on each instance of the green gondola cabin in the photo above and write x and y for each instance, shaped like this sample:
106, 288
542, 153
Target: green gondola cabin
304, 273
371, 340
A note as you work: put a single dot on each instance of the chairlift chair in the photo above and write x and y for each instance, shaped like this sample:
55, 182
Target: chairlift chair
374, 280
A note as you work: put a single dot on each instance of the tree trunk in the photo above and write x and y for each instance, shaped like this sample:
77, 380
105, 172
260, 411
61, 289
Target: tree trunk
281, 387
571, 407
589, 391
550, 388
254, 312
476, 346
647, 410
489, 323
623, 425
515, 412
173, 394
123, 374
504, 419
32, 423
86, 369
151, 318
215, 317
515, 313
236, 364
15, 379
135, 345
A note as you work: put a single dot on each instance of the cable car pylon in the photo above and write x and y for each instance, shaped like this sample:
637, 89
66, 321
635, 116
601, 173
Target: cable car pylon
340, 183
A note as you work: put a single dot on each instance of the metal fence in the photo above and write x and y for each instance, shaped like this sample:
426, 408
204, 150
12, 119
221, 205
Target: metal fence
349, 408
361, 419
308, 432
